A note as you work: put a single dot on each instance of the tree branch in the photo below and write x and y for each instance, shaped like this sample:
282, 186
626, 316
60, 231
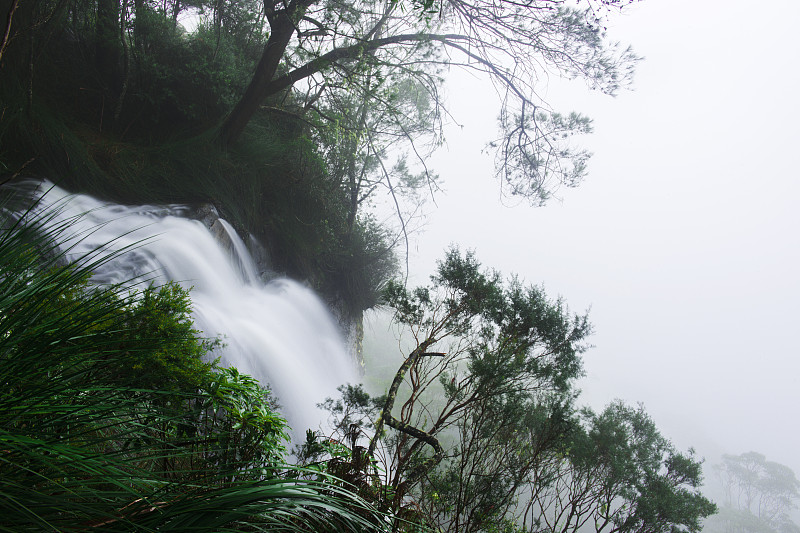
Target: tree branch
7, 33
351, 52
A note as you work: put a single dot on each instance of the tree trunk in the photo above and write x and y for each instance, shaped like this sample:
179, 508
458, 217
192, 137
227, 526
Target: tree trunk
107, 43
138, 15
7, 33
281, 27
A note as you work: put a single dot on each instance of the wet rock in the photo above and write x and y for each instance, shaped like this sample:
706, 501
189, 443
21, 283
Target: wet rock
207, 214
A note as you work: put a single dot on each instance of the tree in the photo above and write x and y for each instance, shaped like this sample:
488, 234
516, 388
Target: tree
360, 133
494, 455
491, 370
318, 46
107, 39
478, 430
616, 475
758, 495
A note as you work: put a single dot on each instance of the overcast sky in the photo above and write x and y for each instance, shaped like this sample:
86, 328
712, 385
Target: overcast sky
683, 240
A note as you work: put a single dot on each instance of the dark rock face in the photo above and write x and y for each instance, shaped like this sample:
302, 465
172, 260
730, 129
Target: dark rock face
262, 259
207, 214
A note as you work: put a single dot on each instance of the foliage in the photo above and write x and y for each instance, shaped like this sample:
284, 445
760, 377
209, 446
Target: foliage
526, 162
473, 416
758, 495
190, 82
497, 449
617, 474
362, 47
484, 433
508, 358
360, 129
91, 440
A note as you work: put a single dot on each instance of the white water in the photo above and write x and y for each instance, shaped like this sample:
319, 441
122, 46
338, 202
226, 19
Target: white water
279, 332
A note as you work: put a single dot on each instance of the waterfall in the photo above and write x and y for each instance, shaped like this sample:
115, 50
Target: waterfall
279, 332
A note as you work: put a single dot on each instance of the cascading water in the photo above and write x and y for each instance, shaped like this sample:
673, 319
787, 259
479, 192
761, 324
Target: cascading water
279, 332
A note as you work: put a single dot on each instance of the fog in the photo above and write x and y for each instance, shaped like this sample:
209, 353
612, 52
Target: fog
683, 239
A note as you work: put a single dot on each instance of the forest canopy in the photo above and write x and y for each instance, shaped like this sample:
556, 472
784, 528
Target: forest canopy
371, 69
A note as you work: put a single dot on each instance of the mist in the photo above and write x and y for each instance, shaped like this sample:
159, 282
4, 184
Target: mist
682, 241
